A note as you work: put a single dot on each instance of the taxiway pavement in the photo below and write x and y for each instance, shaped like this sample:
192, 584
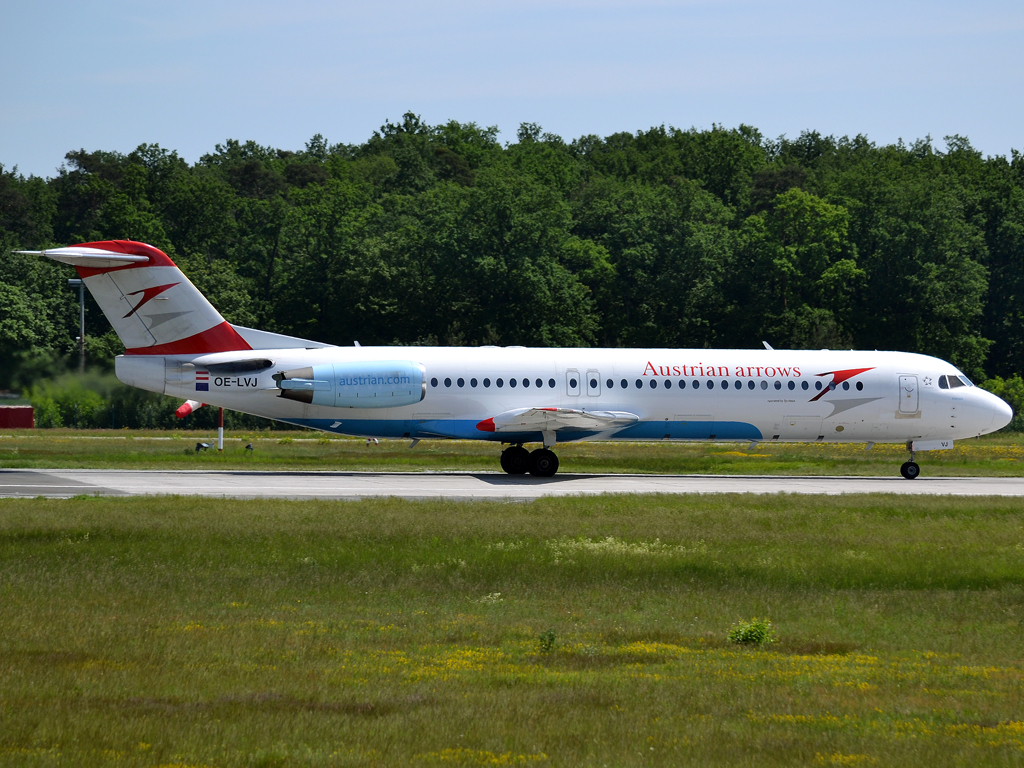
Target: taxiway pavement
56, 483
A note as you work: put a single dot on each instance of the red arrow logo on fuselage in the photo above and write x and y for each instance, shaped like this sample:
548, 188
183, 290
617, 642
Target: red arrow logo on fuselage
148, 294
838, 377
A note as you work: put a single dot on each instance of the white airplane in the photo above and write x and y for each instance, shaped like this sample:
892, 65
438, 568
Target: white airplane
177, 344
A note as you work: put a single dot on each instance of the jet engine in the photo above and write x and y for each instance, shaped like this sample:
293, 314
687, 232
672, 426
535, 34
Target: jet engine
373, 384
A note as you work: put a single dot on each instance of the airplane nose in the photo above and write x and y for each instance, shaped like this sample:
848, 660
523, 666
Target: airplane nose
1002, 414
985, 413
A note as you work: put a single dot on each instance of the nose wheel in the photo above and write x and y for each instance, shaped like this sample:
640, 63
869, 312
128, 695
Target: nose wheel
910, 469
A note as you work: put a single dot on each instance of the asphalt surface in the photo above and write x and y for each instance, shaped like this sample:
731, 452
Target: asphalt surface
55, 483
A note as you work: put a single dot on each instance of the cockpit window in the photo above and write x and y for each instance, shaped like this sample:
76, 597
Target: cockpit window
952, 382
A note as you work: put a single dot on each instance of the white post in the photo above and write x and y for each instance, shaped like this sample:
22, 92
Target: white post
220, 429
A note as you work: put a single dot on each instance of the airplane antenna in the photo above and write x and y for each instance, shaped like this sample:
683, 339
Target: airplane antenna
768, 346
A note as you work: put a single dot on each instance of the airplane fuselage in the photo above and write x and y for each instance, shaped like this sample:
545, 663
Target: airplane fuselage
675, 394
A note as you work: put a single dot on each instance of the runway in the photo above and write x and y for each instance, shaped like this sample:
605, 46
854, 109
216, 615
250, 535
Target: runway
58, 483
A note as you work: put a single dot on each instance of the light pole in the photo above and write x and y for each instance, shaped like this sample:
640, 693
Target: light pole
80, 285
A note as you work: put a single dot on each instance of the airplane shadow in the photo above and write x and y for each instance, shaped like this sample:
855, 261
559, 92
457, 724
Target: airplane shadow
490, 478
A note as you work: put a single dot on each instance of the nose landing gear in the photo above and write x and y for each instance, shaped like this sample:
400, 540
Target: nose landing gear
910, 469
516, 460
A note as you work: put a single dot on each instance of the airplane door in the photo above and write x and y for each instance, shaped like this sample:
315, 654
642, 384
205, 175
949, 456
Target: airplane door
909, 395
593, 383
572, 382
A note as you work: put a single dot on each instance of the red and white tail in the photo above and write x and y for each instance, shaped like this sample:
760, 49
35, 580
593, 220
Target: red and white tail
153, 307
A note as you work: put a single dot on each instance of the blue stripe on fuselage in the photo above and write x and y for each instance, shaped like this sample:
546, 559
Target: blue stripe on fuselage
465, 429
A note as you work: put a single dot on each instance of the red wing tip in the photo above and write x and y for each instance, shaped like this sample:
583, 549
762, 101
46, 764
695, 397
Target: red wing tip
486, 425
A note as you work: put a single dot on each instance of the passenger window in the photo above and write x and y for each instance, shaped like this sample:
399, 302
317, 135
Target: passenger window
473, 382
551, 383
526, 382
499, 383
764, 385
696, 384
817, 385
610, 384
750, 384
639, 384
447, 382
711, 384
682, 383
539, 383
624, 383
846, 385
487, 382
860, 385
654, 384
778, 385
433, 382
738, 385
668, 383
461, 382
512, 383
804, 385
792, 385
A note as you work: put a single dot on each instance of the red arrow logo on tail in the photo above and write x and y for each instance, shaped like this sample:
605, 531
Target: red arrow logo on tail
148, 294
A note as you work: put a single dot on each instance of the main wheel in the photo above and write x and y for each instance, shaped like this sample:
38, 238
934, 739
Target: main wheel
515, 460
543, 463
910, 470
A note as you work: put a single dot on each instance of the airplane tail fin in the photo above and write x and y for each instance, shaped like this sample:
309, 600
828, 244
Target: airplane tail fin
152, 306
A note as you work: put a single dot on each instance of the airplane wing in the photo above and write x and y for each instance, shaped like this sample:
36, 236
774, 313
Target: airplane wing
554, 419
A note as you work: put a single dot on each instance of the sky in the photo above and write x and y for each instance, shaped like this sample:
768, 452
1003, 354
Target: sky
187, 75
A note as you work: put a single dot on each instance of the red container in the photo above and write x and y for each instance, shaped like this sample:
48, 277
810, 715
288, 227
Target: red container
17, 417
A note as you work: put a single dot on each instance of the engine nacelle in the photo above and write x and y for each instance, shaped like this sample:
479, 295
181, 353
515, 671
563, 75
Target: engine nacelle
374, 384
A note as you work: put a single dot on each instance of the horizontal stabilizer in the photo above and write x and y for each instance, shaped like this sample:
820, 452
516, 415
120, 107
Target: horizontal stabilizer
96, 258
554, 419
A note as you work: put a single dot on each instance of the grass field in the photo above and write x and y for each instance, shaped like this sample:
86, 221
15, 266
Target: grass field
190, 632
998, 455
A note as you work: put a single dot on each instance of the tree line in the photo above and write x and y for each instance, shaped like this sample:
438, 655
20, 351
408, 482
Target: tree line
441, 234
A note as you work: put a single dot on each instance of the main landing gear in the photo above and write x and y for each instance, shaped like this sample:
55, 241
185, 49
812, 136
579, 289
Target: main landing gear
910, 469
539, 463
